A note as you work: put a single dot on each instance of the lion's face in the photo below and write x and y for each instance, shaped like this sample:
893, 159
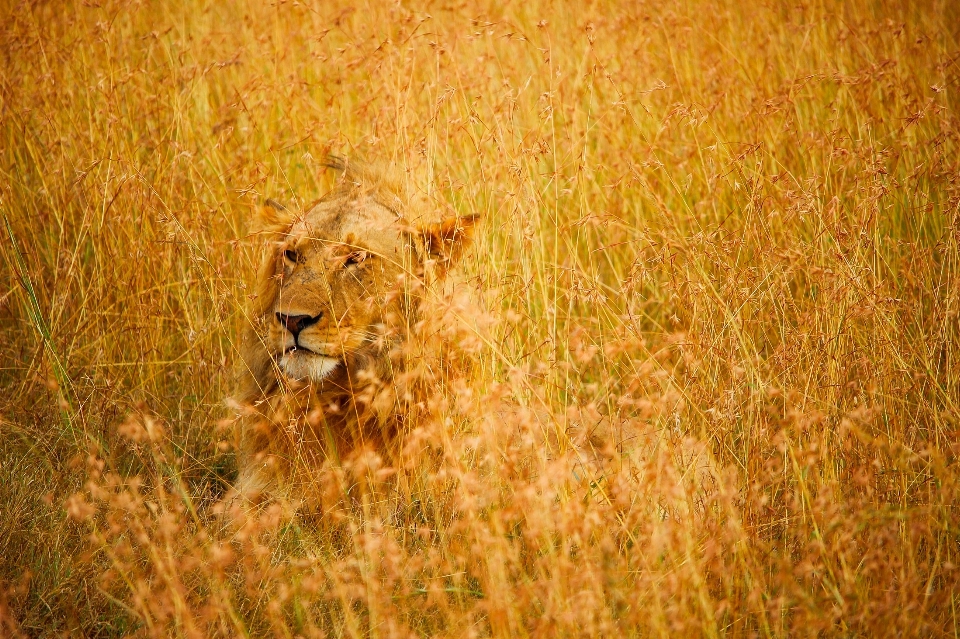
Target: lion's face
335, 271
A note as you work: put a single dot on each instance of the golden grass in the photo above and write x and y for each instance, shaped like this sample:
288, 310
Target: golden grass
729, 228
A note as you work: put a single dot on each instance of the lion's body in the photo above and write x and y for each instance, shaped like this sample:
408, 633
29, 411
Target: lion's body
325, 348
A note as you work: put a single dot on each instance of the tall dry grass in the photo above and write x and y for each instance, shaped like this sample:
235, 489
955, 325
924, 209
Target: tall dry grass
727, 231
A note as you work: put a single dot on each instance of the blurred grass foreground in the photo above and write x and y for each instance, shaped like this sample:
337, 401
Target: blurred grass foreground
728, 229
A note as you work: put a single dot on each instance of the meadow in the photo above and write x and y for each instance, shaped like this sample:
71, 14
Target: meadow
729, 230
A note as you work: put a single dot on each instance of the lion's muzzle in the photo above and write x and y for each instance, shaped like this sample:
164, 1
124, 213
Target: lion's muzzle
296, 323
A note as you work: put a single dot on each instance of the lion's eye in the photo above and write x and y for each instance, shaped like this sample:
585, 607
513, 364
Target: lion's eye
354, 258
292, 256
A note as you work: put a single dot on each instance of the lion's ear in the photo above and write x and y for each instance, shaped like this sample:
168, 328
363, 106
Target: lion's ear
444, 241
273, 217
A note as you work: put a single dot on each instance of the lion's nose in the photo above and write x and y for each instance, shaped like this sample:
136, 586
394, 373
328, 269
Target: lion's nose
296, 323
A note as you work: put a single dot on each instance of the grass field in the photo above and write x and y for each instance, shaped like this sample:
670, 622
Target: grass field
730, 229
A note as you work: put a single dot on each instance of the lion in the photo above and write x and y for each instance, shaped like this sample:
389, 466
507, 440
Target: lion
338, 295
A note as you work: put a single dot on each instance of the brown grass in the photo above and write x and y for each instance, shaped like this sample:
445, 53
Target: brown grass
728, 229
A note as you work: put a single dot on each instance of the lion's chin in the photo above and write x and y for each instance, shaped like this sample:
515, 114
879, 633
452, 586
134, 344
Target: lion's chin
303, 365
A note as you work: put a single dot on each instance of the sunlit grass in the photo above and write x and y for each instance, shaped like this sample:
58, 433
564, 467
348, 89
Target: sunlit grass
727, 230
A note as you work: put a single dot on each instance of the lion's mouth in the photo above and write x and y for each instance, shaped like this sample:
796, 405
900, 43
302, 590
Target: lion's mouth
302, 363
303, 350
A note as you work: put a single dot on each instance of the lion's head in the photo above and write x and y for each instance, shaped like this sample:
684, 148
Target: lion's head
334, 274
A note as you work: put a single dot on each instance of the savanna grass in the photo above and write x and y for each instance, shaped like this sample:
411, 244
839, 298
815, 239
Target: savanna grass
713, 315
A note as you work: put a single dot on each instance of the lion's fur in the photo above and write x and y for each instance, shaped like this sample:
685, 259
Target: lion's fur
368, 312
